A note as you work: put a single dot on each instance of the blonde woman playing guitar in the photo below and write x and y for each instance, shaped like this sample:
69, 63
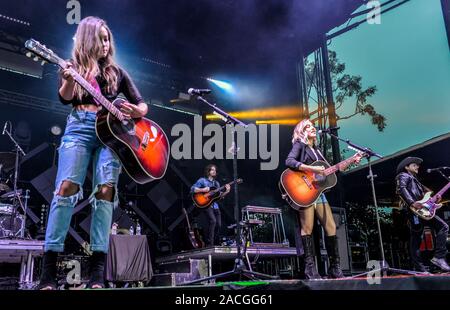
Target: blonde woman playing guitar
301, 158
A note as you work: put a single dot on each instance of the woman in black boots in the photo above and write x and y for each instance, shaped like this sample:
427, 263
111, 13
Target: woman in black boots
92, 58
303, 153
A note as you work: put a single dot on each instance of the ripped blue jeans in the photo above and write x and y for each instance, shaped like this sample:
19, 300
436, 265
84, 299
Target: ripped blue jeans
79, 146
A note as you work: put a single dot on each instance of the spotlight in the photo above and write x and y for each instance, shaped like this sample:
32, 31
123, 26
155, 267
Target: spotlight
222, 84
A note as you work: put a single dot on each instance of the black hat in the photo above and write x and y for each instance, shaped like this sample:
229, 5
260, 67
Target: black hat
407, 161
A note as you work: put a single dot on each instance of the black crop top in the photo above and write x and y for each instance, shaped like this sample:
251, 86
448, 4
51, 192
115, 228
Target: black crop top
125, 86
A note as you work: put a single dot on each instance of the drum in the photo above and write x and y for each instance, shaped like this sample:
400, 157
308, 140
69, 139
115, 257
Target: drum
10, 225
6, 209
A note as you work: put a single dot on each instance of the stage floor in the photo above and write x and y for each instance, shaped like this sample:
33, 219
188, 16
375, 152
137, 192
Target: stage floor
417, 282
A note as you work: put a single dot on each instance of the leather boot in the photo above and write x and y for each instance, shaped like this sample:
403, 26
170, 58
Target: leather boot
334, 271
97, 269
48, 274
310, 264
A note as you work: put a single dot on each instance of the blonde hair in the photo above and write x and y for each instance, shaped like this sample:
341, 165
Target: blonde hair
299, 132
86, 51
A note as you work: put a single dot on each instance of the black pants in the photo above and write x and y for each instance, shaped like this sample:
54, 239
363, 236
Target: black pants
214, 225
440, 230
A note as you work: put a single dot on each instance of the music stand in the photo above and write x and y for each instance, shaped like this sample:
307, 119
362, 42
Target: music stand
239, 265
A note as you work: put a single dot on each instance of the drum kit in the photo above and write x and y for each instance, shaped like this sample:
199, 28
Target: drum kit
13, 201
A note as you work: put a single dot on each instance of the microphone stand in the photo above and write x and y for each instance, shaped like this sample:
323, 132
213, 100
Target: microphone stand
443, 175
239, 265
17, 200
384, 267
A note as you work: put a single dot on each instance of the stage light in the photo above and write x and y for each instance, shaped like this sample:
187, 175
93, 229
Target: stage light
56, 130
287, 122
222, 84
15, 20
270, 113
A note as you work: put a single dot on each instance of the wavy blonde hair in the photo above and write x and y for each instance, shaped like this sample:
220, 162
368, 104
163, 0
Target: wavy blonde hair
86, 51
299, 132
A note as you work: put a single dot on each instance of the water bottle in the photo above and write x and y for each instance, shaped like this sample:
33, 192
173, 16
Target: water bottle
131, 230
114, 229
138, 229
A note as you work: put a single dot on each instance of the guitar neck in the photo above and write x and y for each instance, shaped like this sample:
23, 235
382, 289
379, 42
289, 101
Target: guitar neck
336, 167
442, 191
97, 96
223, 186
187, 219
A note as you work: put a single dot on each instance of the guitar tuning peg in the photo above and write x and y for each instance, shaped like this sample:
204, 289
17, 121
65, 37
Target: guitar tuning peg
28, 54
43, 62
36, 58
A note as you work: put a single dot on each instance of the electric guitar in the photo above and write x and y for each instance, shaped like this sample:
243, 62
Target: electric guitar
204, 200
302, 188
426, 207
140, 144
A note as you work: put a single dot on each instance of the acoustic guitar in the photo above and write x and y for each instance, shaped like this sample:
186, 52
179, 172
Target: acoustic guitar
302, 188
140, 144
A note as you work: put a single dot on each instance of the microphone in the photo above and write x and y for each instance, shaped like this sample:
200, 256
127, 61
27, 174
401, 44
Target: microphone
321, 131
4, 128
198, 92
437, 169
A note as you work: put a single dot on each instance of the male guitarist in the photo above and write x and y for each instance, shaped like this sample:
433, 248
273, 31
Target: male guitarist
304, 152
411, 190
204, 185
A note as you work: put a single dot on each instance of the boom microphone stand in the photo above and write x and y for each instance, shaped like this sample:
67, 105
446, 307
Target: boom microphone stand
384, 267
239, 265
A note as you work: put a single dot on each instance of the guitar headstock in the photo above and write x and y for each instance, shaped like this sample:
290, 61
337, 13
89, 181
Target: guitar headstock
42, 52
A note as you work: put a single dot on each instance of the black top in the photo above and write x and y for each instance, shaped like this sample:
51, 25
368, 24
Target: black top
302, 154
409, 188
125, 86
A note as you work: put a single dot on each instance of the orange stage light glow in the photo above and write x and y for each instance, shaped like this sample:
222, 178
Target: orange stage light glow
265, 113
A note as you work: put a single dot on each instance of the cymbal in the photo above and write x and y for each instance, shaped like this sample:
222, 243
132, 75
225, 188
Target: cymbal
4, 187
8, 160
11, 194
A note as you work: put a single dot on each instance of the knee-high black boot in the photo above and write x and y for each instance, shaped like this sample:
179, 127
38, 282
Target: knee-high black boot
48, 274
333, 255
310, 264
97, 269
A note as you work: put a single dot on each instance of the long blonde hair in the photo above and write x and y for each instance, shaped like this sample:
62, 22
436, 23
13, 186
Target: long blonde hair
85, 53
299, 132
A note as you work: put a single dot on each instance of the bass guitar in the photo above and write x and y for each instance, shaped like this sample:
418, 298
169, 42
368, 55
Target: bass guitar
426, 207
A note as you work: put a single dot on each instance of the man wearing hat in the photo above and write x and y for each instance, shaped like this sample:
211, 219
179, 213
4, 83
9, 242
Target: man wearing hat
411, 190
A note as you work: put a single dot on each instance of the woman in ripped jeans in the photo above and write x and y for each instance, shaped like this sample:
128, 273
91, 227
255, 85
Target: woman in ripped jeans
92, 58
